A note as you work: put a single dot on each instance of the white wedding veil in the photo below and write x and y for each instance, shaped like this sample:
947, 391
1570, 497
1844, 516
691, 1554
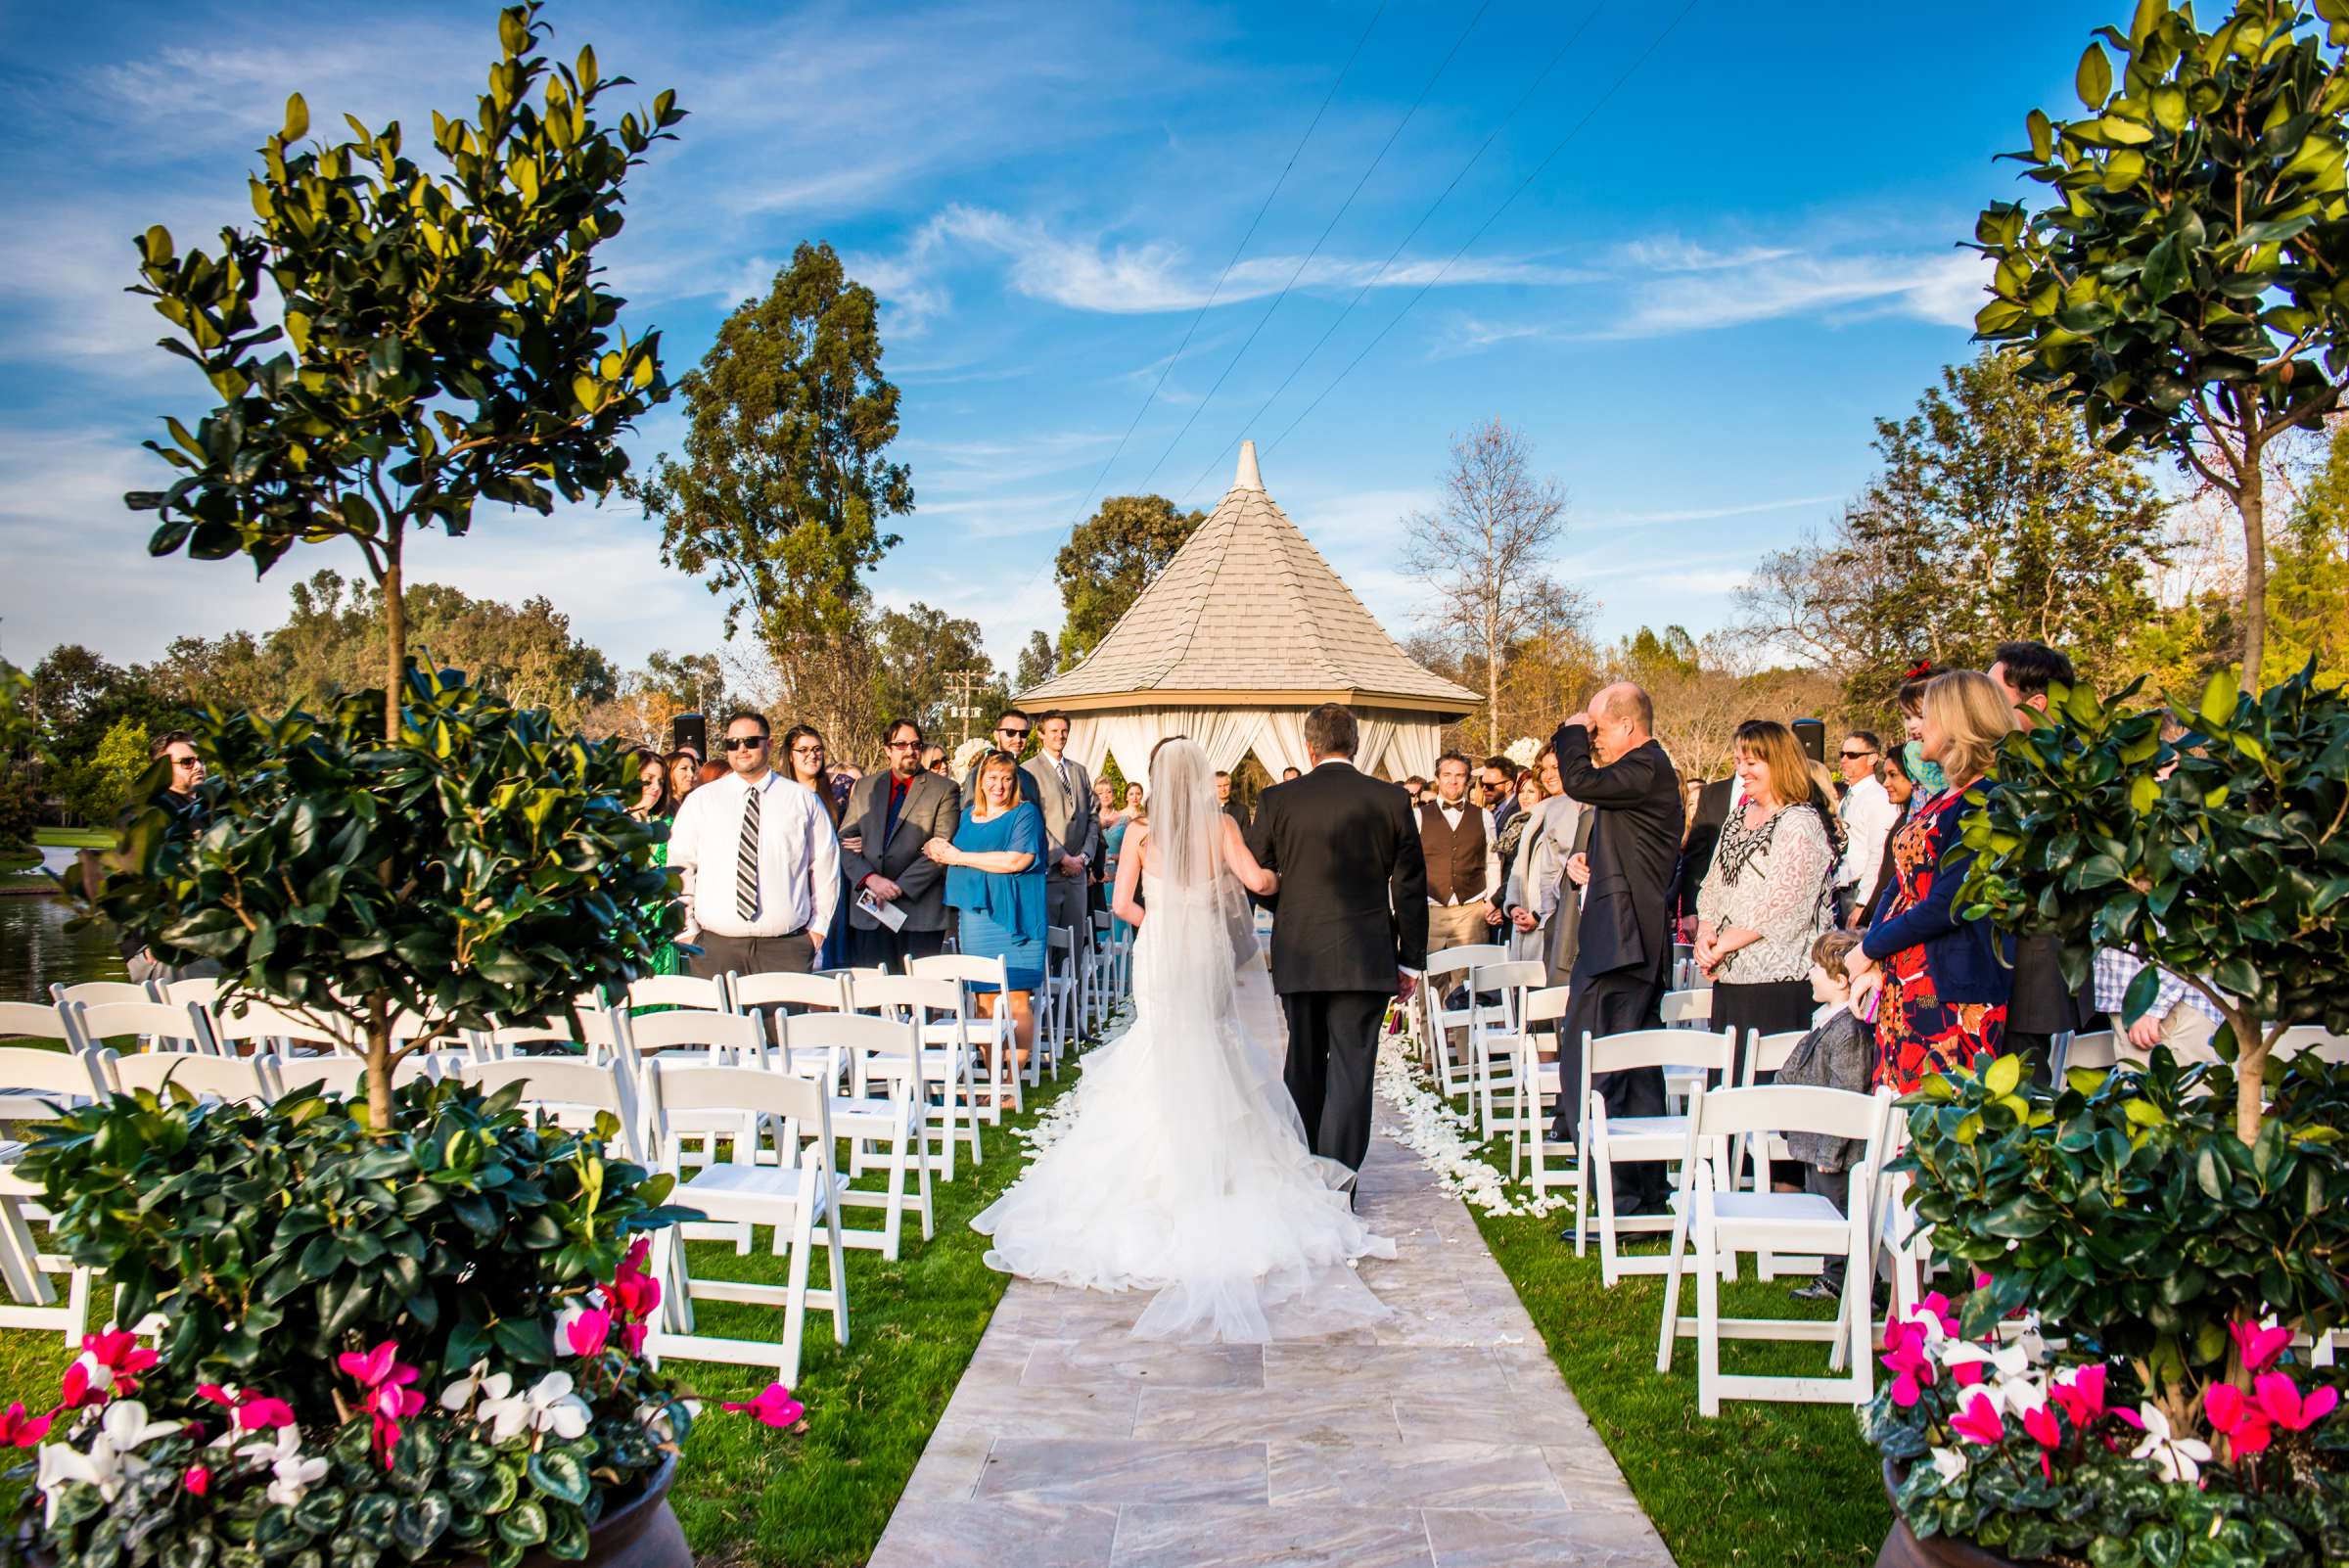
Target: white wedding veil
1187, 823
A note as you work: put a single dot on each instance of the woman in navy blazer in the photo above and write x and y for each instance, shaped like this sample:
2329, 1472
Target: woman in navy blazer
1944, 979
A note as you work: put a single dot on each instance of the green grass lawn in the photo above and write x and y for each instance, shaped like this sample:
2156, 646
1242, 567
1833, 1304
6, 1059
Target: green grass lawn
818, 1499
1761, 1485
59, 838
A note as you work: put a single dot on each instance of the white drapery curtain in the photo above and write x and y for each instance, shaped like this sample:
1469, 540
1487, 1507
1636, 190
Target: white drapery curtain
1394, 743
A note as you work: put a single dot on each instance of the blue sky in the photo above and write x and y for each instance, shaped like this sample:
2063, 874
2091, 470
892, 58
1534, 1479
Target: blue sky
1693, 309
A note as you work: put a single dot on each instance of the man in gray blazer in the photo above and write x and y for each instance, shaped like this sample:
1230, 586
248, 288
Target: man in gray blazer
1072, 821
891, 815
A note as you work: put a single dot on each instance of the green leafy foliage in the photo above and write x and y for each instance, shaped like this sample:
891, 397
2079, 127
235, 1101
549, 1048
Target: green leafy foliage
275, 1239
2124, 1211
483, 868
2184, 282
2223, 857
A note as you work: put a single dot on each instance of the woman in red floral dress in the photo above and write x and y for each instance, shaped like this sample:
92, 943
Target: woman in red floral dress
1944, 980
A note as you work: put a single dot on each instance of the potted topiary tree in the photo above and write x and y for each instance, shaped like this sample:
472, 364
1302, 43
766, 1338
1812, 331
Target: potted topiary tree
2162, 1237
408, 1328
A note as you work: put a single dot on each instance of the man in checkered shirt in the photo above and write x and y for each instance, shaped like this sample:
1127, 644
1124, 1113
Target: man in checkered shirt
2180, 1017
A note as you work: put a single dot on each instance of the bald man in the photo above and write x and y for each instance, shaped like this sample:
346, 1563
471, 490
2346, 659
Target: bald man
1609, 760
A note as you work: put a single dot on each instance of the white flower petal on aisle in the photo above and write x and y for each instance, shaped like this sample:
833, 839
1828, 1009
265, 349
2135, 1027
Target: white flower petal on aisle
1443, 1137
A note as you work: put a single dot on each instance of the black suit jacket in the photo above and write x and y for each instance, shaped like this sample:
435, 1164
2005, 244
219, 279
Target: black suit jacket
1634, 851
1352, 904
1713, 804
931, 809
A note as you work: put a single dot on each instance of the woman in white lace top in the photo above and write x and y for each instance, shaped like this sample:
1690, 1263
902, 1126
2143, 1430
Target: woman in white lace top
1769, 892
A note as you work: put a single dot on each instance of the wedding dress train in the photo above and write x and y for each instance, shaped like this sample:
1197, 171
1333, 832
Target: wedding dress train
1186, 1171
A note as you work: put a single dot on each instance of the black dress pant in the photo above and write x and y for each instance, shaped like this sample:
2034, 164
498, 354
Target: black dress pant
870, 949
1333, 1058
1614, 1003
791, 953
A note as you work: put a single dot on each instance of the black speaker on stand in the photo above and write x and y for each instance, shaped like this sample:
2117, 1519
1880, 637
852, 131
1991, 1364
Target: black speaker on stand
690, 733
1813, 733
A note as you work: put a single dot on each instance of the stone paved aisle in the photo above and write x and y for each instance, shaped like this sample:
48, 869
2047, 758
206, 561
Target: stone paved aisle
1445, 1439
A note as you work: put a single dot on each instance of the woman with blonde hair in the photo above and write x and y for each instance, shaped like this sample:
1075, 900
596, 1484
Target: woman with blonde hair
1944, 979
1769, 891
996, 879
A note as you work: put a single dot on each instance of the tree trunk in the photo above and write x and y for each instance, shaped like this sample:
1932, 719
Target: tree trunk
395, 637
2252, 502
379, 1065
2250, 1062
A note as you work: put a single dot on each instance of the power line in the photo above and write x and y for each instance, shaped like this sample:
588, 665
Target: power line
1361, 294
1326, 229
1589, 114
1237, 251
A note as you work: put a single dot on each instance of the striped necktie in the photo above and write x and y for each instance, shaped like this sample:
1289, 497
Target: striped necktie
745, 860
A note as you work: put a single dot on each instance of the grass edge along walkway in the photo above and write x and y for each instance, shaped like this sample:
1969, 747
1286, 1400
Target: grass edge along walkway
746, 1494
1761, 1485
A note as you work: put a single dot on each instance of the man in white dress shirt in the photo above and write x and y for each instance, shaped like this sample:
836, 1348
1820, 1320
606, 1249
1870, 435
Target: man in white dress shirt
1463, 862
760, 863
1867, 814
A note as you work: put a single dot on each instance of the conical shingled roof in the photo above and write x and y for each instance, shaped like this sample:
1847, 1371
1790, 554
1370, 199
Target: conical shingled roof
1248, 611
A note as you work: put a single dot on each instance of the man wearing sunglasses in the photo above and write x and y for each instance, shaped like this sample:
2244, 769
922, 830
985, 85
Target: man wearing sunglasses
1867, 814
761, 862
1012, 730
891, 815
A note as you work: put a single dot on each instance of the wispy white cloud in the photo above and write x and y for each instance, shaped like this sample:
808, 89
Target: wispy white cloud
1942, 288
1699, 514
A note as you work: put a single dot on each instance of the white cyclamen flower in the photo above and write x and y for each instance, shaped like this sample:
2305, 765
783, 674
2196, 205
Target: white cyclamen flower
2175, 1458
295, 1472
549, 1406
110, 1460
475, 1380
1951, 1463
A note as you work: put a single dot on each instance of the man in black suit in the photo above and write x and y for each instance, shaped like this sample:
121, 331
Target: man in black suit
1608, 759
891, 815
1713, 804
1351, 915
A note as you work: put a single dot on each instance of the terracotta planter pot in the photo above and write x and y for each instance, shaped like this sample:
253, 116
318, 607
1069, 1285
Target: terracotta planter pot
640, 1533
1903, 1549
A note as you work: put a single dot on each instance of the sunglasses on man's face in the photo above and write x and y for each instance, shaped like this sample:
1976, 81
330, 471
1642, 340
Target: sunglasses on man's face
1013, 734
1854, 757
742, 743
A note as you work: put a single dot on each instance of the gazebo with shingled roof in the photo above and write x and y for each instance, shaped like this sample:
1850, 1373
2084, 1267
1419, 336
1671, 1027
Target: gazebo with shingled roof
1245, 632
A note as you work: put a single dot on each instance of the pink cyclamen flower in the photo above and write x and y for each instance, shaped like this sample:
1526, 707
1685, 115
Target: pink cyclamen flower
589, 1332
1977, 1420
198, 1480
2079, 1394
2281, 1402
631, 1337
2258, 1347
2235, 1416
1906, 1359
115, 1360
21, 1430
2038, 1421
388, 1400
261, 1413
1938, 1305
74, 1390
775, 1406
376, 1366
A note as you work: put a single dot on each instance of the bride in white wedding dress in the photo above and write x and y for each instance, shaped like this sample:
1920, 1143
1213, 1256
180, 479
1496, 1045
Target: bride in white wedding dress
1186, 1169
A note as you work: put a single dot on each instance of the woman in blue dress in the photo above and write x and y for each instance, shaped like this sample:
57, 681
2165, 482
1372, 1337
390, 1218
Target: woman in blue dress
995, 877
1113, 840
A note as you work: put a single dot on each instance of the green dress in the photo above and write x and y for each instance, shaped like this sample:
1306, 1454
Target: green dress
668, 961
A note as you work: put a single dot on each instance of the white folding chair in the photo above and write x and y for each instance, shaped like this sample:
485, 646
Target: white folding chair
254, 1026
37, 1021
346, 1076
792, 1195
702, 1038
1689, 1008
1495, 1031
246, 1080
159, 1027
994, 1037
1060, 1004
1529, 1117
769, 998
103, 992
1452, 1080
2327, 1046
33, 1084
2094, 1050
1725, 1221
950, 1048
203, 992
567, 1092
1752, 1158
681, 991
1607, 1142
882, 1116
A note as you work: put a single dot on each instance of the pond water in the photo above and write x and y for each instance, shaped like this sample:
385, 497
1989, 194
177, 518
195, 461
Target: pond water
37, 952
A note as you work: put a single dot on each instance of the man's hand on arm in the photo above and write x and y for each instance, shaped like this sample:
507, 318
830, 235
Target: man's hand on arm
882, 889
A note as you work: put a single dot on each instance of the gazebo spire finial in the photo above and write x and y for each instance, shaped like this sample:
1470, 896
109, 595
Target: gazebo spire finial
1247, 479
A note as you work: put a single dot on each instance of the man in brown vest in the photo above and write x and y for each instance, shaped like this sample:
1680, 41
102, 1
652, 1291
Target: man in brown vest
1463, 863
